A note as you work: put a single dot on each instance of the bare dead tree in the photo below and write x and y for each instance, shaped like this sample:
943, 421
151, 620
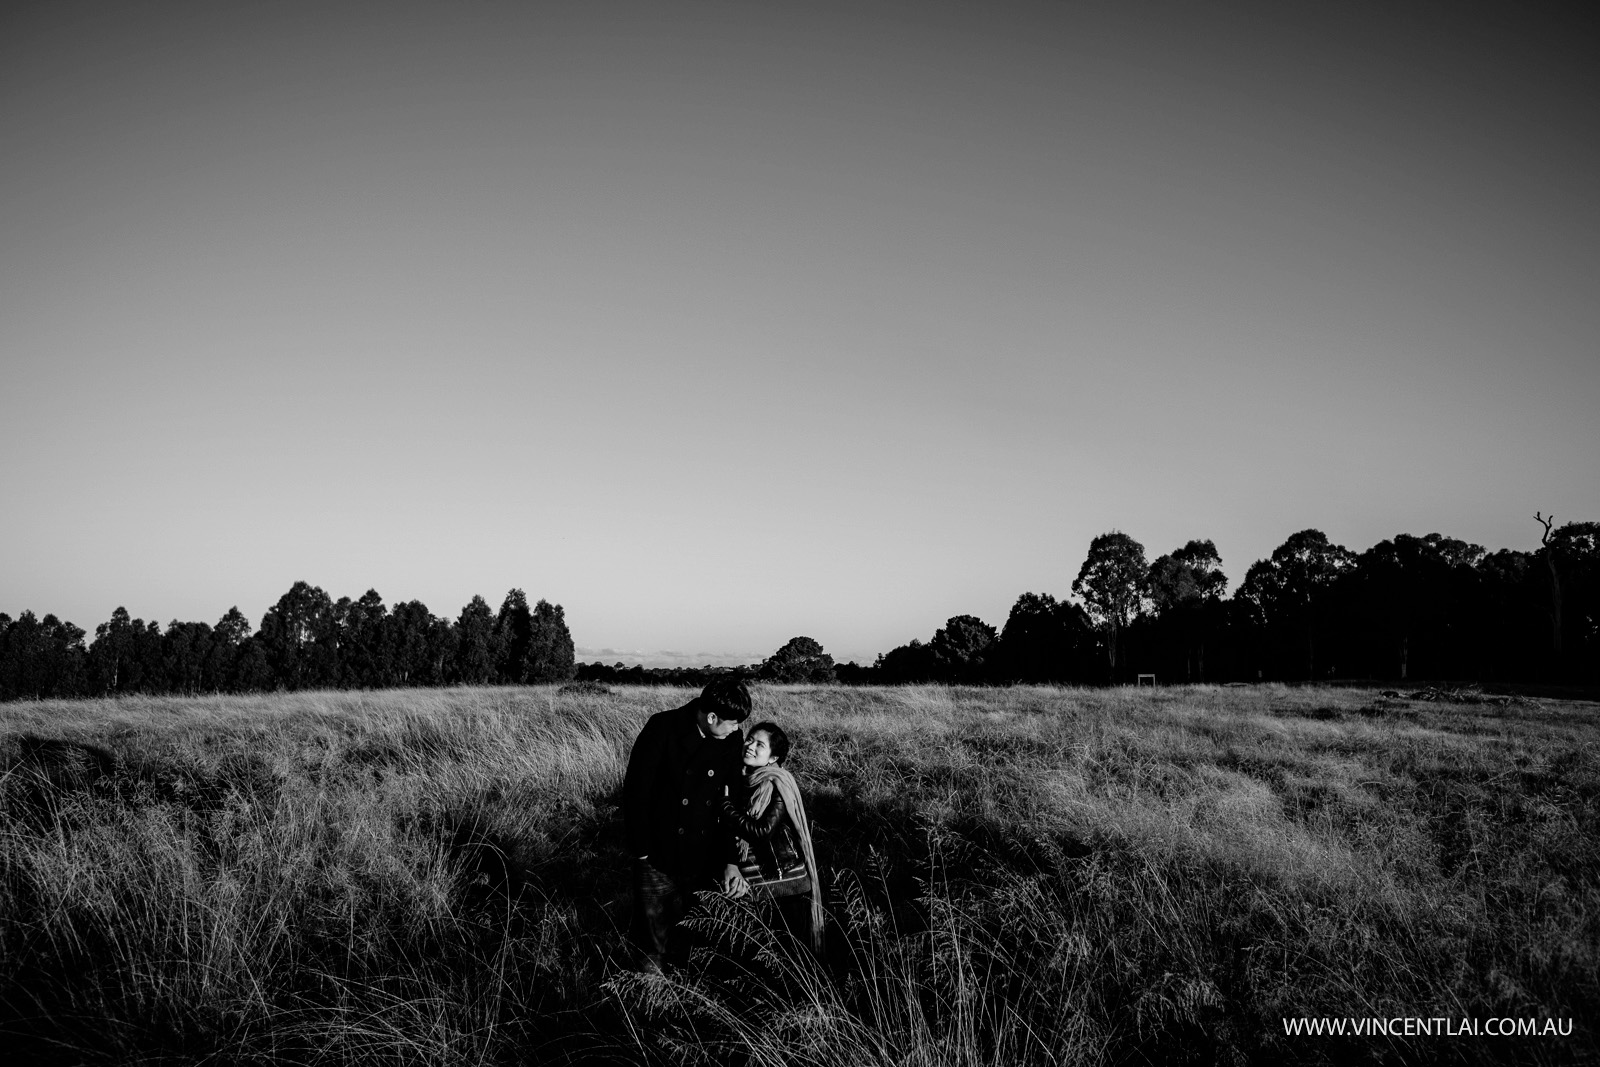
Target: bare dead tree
1555, 583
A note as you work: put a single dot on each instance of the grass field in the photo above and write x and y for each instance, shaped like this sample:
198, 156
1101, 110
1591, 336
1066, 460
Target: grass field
1026, 875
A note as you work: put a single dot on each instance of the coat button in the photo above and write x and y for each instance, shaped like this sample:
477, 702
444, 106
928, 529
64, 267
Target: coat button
680, 829
685, 801
710, 773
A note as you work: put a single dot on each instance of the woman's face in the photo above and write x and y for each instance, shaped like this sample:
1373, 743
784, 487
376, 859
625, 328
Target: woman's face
758, 749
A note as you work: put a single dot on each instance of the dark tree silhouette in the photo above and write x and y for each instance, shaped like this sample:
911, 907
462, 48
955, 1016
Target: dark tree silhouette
127, 656
443, 643
801, 659
1186, 575
1112, 585
1430, 606
961, 648
908, 663
252, 669
475, 653
1509, 616
149, 658
1555, 585
1185, 589
40, 658
1044, 640
1574, 549
228, 638
186, 658
1410, 592
513, 629
550, 651
853, 673
300, 637
111, 655
412, 647
365, 655
1290, 590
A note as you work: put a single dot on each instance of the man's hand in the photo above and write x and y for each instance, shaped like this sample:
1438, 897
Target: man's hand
733, 882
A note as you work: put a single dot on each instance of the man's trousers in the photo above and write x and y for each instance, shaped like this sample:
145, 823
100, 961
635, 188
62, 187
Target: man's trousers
659, 902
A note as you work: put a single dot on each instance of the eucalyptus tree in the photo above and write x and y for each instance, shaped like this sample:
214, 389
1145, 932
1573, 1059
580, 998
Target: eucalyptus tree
475, 652
187, 659
1043, 640
408, 637
227, 637
1185, 589
1415, 597
1112, 584
40, 658
1290, 591
513, 629
1572, 551
300, 638
366, 656
549, 657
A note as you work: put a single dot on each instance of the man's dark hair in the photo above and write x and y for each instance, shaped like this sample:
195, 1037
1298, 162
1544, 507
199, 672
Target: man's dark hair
776, 739
728, 696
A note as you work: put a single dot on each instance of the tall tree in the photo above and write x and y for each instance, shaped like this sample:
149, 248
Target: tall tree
364, 647
186, 654
1111, 583
513, 630
227, 638
1555, 584
40, 658
111, 654
475, 644
1185, 589
908, 663
550, 649
252, 668
1575, 550
1044, 640
127, 656
409, 627
1291, 589
1410, 593
961, 648
1187, 575
801, 659
300, 636
439, 667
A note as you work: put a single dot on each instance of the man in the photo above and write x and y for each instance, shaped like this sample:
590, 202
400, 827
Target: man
684, 763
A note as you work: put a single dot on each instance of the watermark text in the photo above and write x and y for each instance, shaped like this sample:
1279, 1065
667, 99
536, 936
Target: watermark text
1437, 1026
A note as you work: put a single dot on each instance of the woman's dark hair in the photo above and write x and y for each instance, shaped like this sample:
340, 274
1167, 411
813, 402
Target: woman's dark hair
775, 737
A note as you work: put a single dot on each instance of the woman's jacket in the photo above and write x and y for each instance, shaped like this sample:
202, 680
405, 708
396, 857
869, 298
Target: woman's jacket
769, 838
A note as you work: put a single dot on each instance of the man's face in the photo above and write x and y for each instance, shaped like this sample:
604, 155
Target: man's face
717, 727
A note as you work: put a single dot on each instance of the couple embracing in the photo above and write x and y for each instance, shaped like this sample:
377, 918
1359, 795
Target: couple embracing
707, 806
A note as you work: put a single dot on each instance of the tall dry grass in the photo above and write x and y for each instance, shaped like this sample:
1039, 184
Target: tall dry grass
1025, 875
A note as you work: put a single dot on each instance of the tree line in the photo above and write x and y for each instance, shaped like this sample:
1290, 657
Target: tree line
1409, 607
305, 641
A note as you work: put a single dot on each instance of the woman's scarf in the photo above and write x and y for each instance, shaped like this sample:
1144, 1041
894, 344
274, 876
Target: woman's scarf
762, 781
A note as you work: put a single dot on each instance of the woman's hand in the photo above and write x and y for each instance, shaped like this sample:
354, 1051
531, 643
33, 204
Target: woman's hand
733, 882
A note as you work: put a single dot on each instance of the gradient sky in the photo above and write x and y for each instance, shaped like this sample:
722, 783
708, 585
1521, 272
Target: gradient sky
722, 323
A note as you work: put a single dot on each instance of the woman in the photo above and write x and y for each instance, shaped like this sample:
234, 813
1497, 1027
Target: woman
775, 838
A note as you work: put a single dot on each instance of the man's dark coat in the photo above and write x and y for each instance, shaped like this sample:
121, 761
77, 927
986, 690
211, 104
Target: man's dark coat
673, 792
